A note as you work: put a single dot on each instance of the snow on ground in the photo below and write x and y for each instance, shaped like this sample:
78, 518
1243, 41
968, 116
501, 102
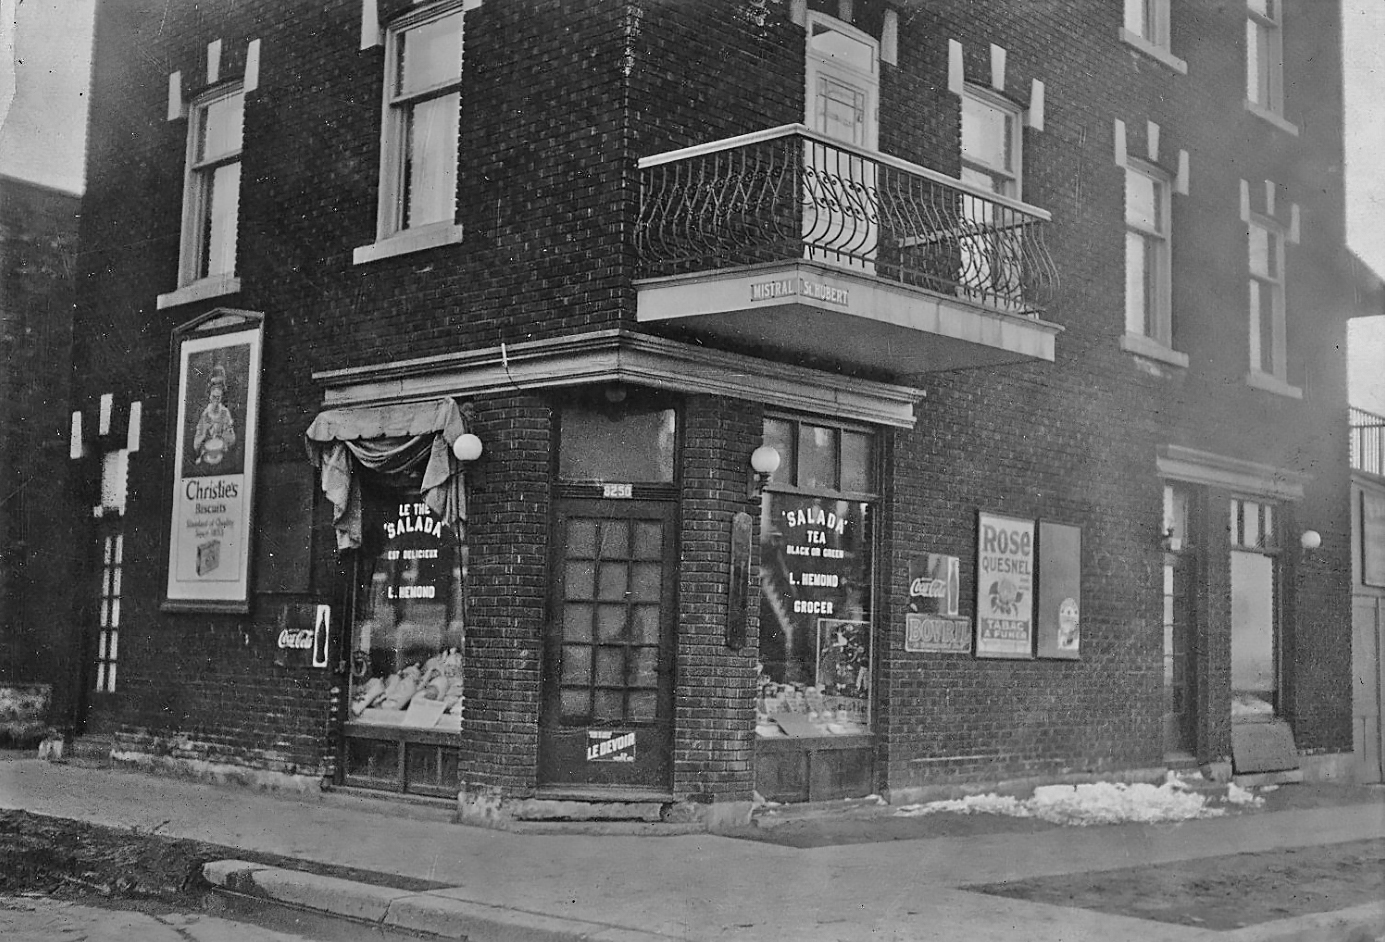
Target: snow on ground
1098, 803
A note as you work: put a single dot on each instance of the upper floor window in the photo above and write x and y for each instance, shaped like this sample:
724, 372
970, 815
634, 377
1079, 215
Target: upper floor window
1148, 20
991, 142
1264, 55
1266, 296
211, 201
1147, 255
423, 71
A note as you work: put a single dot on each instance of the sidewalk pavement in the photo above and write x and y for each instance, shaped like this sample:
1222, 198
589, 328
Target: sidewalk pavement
516, 887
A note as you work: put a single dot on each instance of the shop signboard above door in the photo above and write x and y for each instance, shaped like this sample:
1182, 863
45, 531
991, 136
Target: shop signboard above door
212, 442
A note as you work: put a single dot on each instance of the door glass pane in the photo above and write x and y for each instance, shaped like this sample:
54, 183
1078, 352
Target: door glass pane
644, 624
574, 704
610, 666
615, 539
577, 664
610, 622
646, 667
613, 581
609, 706
649, 540
577, 622
581, 539
1253, 675
578, 579
646, 580
644, 706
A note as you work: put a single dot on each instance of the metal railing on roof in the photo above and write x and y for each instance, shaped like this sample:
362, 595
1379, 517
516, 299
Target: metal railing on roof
789, 193
1367, 441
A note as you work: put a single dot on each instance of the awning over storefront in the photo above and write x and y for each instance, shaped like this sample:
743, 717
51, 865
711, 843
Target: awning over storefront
390, 439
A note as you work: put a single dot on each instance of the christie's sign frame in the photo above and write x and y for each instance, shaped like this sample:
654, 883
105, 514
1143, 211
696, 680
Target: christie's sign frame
213, 442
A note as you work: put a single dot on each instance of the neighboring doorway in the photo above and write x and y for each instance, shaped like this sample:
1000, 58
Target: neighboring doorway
1180, 696
606, 714
841, 221
1180, 715
1368, 685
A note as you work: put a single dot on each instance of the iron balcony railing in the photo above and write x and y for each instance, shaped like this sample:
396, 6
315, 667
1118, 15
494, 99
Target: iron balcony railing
789, 193
1367, 441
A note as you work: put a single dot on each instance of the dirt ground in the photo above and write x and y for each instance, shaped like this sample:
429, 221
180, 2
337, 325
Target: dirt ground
73, 860
1222, 892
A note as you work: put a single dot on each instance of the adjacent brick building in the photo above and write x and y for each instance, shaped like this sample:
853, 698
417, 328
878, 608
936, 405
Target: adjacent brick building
710, 397
38, 242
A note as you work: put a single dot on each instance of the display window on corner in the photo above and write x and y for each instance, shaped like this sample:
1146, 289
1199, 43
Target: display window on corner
407, 638
817, 636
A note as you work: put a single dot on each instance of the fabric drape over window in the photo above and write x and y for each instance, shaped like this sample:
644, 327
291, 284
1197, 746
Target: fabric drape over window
391, 439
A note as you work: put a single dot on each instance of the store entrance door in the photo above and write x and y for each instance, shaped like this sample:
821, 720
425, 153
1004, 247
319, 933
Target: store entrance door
607, 715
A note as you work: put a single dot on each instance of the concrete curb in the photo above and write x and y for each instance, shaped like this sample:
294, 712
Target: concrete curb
440, 913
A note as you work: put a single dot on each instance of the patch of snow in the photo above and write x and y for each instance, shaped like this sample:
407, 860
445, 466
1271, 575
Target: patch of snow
1082, 805
1237, 795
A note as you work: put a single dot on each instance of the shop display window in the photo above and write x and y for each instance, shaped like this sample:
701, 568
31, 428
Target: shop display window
408, 630
816, 577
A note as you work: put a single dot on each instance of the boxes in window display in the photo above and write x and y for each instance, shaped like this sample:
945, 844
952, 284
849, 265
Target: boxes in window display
795, 710
387, 701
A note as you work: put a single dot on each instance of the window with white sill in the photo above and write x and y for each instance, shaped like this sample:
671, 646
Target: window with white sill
211, 201
422, 110
1265, 55
992, 137
1148, 20
1148, 253
1268, 356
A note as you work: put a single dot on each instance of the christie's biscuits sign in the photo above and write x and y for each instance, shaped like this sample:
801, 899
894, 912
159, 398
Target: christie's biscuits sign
606, 745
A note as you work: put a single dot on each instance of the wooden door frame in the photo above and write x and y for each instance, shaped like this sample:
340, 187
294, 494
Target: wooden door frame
572, 501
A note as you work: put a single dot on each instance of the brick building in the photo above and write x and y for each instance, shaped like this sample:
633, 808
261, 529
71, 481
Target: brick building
38, 243
709, 397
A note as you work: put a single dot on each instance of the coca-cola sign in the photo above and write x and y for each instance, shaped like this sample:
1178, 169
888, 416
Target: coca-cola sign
934, 584
300, 639
304, 635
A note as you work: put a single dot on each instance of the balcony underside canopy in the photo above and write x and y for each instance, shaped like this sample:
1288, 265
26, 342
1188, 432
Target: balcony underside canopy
790, 243
825, 314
